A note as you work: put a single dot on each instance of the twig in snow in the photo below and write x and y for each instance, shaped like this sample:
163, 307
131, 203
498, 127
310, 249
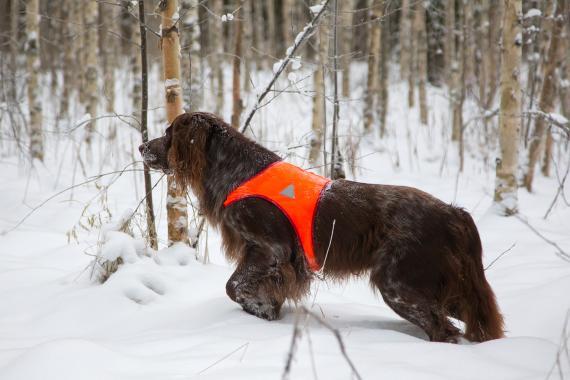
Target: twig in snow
501, 255
292, 347
301, 38
245, 345
560, 252
297, 334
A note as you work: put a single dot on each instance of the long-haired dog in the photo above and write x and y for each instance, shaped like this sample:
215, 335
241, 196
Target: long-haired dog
422, 255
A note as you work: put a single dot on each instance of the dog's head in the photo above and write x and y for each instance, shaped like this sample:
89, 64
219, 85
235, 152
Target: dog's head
181, 151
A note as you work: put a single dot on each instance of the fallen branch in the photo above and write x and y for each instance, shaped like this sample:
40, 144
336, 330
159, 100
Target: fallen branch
299, 40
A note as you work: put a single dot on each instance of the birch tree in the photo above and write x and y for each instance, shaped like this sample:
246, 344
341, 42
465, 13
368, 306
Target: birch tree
107, 50
191, 60
346, 17
136, 70
33, 67
319, 108
547, 94
91, 48
373, 59
14, 49
509, 116
217, 57
449, 49
177, 213
237, 105
421, 34
457, 90
68, 58
384, 71
405, 33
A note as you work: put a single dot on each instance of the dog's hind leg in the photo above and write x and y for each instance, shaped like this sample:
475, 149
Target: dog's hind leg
414, 304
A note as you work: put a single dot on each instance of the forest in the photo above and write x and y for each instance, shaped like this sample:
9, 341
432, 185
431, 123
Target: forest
111, 268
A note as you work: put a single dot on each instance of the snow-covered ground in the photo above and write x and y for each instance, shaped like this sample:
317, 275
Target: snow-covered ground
166, 315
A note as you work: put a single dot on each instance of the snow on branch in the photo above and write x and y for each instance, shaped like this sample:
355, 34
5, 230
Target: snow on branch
552, 118
280, 66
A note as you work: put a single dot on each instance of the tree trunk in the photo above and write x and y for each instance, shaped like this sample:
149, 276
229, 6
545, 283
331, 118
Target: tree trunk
457, 93
347, 32
260, 40
107, 48
405, 33
547, 99
373, 59
177, 212
272, 27
33, 67
14, 49
337, 169
509, 116
236, 90
91, 47
151, 227
318, 118
247, 43
68, 57
218, 55
287, 26
191, 59
538, 51
565, 72
469, 43
496, 11
412, 63
421, 34
449, 49
484, 61
136, 70
384, 71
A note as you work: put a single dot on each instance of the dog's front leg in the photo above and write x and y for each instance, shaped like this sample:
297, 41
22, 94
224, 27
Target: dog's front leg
259, 284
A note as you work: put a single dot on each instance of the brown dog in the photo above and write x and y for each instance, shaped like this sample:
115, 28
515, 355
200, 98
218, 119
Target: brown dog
424, 256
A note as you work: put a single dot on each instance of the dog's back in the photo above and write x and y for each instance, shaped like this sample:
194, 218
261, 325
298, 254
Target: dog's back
423, 255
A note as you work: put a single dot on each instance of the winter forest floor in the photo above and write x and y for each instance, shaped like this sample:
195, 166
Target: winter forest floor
167, 316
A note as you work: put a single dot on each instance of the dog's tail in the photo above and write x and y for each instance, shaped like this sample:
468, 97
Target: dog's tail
478, 307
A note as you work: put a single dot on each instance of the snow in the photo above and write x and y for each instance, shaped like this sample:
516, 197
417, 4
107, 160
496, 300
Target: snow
277, 66
227, 17
558, 118
316, 8
165, 314
171, 82
533, 12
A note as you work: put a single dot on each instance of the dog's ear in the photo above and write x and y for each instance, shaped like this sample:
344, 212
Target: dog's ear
187, 153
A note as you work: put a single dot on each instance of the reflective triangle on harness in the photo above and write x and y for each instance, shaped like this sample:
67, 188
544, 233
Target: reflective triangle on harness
289, 191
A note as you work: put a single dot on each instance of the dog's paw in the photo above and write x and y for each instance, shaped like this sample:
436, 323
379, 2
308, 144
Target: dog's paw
260, 309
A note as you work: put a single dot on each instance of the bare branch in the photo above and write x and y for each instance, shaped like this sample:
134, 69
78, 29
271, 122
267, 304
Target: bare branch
297, 335
560, 252
301, 38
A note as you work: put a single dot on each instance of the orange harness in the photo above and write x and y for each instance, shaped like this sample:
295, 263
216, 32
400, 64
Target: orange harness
295, 191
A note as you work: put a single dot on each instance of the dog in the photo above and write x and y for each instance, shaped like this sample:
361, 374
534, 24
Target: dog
423, 255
